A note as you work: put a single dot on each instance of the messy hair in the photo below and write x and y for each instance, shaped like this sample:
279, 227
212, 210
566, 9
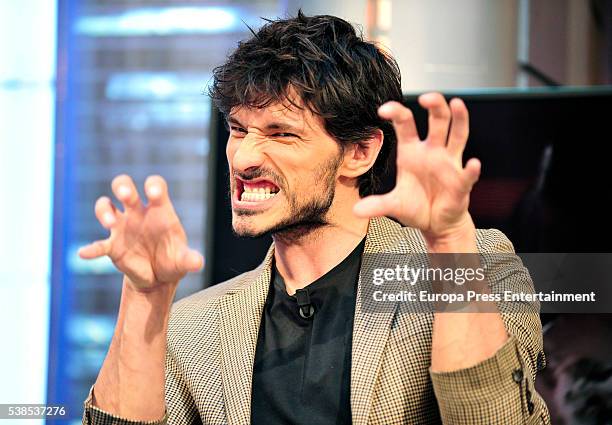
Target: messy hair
336, 74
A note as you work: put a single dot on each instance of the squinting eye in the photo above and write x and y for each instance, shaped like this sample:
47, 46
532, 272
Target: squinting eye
238, 129
284, 135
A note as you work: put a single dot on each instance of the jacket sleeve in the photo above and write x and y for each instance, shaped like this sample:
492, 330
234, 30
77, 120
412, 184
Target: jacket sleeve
500, 389
180, 407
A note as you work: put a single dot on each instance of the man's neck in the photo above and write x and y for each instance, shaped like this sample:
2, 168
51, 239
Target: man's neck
303, 260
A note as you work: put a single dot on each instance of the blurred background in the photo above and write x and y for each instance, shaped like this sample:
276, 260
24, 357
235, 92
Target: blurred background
93, 88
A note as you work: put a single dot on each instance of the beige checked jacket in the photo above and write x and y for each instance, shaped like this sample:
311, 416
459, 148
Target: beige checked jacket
213, 334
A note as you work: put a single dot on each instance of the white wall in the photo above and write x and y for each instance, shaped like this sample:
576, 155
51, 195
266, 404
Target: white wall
27, 68
440, 44
450, 44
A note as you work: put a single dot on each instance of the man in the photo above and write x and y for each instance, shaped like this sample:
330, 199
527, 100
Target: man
293, 341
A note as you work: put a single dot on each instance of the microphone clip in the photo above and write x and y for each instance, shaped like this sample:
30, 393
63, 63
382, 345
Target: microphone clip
305, 307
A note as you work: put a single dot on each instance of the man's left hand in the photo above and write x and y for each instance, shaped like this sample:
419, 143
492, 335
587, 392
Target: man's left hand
432, 187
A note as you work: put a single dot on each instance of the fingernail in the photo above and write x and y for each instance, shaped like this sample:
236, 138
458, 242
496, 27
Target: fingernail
124, 191
456, 101
154, 191
109, 218
385, 108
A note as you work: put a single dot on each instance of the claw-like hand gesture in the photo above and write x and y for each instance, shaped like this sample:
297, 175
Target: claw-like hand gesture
147, 242
432, 188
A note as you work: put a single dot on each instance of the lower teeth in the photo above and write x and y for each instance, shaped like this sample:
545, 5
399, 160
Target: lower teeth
254, 197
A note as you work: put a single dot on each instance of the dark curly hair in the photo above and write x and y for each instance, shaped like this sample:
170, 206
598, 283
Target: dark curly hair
337, 75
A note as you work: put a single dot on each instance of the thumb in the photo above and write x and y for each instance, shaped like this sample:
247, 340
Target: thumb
472, 171
190, 260
375, 206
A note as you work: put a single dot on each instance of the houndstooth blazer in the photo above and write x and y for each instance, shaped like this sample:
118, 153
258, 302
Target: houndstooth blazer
213, 334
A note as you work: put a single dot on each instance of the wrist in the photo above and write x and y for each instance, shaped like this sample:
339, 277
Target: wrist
458, 239
159, 298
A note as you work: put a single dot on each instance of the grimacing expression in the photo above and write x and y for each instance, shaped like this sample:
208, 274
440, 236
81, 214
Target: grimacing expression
283, 170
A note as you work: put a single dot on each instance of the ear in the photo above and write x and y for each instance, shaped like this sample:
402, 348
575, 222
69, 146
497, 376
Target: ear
360, 157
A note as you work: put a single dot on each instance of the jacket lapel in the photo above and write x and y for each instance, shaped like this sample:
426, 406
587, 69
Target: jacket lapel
240, 313
372, 322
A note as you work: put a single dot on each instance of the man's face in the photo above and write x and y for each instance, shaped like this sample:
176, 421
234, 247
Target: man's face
283, 170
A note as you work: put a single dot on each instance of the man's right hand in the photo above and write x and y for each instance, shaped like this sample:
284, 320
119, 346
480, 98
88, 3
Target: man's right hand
147, 242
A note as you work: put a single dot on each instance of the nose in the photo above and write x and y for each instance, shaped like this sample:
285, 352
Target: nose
248, 153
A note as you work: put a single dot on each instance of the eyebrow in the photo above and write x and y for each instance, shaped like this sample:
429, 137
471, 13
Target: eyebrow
272, 126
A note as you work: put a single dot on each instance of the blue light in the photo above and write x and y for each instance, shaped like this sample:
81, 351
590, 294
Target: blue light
152, 86
91, 330
160, 21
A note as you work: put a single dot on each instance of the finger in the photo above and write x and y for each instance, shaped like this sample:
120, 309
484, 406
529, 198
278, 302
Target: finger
95, 250
156, 190
402, 119
125, 190
190, 260
460, 128
439, 118
106, 213
376, 206
460, 180
471, 172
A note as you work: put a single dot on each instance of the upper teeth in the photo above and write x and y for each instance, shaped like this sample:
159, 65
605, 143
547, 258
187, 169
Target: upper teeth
266, 189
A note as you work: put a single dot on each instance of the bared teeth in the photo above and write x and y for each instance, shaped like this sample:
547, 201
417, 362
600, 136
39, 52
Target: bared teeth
258, 191
266, 189
253, 196
259, 188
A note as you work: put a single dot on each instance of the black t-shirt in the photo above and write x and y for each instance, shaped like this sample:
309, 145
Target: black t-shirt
302, 371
